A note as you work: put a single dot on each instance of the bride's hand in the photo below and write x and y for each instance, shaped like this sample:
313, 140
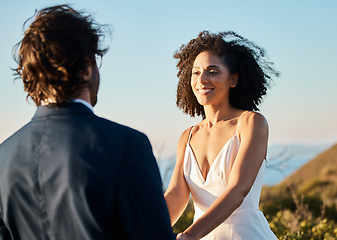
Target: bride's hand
184, 236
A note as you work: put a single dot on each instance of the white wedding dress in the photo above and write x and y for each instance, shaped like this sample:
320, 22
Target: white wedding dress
247, 222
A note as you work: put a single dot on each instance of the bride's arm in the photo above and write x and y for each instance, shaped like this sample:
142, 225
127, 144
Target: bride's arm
254, 136
177, 193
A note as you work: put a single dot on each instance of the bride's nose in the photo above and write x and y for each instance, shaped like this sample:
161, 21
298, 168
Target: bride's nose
202, 77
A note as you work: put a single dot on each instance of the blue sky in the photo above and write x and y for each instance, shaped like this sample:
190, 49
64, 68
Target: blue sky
138, 76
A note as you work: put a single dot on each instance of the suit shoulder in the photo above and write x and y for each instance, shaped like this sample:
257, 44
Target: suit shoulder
118, 128
16, 135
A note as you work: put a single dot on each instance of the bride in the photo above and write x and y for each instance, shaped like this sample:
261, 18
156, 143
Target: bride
221, 160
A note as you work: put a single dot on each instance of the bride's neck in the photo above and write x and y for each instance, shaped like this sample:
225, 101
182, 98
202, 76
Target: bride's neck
216, 115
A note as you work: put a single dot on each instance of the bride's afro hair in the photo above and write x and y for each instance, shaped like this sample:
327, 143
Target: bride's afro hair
240, 55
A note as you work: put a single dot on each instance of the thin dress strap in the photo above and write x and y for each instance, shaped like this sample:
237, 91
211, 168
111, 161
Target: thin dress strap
189, 137
239, 121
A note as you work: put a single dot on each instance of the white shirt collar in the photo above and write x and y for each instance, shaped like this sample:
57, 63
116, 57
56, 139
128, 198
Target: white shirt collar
77, 100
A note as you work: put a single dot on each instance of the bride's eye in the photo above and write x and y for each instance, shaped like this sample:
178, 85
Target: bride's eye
212, 72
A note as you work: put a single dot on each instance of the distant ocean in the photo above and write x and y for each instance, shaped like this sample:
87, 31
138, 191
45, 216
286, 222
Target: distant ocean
282, 161
275, 173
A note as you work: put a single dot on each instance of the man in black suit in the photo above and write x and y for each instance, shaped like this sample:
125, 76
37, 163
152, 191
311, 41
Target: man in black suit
69, 174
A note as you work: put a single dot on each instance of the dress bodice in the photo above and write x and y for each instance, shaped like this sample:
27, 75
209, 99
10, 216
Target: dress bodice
205, 191
247, 221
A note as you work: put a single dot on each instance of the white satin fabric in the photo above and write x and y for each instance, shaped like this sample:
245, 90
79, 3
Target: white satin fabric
247, 222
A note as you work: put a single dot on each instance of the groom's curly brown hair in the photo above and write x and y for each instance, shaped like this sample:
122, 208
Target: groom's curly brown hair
55, 52
240, 56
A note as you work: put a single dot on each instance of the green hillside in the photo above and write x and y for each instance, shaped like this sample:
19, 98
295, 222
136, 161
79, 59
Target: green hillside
316, 178
303, 206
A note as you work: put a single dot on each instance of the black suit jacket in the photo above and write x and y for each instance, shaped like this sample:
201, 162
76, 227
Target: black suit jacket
69, 174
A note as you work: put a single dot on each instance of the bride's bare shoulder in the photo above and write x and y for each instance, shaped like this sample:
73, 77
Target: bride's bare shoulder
253, 122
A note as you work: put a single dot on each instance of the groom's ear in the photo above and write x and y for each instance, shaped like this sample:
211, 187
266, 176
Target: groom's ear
88, 71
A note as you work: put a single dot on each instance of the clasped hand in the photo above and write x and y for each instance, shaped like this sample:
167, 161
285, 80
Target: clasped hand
184, 236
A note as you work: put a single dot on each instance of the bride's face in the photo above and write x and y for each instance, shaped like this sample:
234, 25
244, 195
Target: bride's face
211, 79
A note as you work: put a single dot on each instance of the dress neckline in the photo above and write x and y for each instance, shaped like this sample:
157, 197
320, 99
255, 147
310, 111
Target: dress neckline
217, 156
214, 161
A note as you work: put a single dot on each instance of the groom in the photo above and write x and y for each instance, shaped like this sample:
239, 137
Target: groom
69, 174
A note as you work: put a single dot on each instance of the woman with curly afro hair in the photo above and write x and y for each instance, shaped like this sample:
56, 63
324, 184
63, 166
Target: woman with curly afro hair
221, 160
